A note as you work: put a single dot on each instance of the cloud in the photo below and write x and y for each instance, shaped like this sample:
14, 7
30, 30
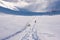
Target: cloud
13, 5
33, 5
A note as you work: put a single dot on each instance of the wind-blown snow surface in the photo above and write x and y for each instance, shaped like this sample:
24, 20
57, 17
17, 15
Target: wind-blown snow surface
48, 27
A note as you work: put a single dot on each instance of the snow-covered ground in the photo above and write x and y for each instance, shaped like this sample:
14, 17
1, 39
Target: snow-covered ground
48, 27
19, 27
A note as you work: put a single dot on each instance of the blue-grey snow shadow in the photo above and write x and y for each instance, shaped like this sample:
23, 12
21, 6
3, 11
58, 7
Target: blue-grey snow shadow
26, 12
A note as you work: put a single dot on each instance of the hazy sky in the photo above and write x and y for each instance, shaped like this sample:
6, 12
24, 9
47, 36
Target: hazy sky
33, 5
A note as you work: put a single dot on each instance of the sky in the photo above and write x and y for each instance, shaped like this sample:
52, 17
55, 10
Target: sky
32, 5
